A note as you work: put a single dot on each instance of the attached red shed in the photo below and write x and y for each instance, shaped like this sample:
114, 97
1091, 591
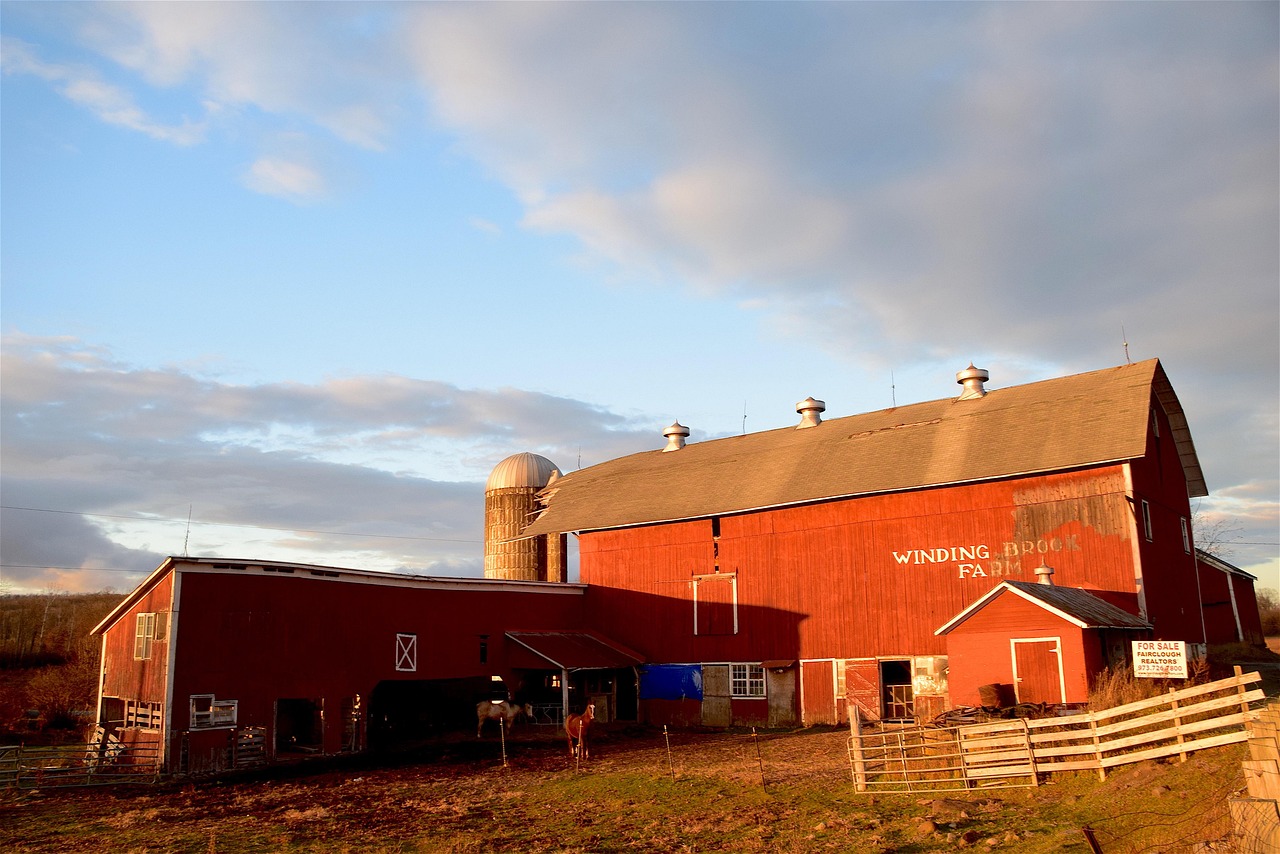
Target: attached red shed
1229, 602
1046, 642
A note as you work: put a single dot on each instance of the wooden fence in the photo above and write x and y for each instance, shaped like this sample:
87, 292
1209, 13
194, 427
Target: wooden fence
1013, 752
27, 767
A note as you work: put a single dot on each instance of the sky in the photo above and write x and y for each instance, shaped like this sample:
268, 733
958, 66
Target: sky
286, 281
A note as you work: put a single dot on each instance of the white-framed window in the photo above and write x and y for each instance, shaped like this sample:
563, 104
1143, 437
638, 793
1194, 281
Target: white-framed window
406, 652
150, 627
208, 712
144, 634
746, 680
1186, 535
1146, 520
143, 715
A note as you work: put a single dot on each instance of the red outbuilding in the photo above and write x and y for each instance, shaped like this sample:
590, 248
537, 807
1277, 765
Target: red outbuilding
223, 663
1035, 643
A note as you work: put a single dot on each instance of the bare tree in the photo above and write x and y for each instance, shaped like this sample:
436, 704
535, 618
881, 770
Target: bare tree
1214, 534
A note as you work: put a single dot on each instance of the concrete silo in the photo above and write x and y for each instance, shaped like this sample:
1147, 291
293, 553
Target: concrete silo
510, 503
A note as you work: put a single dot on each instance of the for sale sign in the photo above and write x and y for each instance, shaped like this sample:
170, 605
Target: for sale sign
1154, 659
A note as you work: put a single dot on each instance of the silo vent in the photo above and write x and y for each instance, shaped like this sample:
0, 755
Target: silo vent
972, 379
1044, 574
675, 436
810, 412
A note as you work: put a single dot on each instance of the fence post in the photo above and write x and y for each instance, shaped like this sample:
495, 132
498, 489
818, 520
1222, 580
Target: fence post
1177, 723
1240, 690
855, 739
1097, 746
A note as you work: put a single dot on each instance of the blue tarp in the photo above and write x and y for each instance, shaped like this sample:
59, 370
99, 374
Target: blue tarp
671, 682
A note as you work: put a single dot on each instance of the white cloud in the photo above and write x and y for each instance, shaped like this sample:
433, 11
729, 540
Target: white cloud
108, 102
399, 461
275, 176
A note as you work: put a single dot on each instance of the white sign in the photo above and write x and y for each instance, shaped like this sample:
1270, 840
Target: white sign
1153, 659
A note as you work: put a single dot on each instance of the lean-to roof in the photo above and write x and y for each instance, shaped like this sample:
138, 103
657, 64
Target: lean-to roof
1055, 425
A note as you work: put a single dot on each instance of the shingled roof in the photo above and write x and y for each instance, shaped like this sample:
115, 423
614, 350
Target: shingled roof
1070, 603
1055, 425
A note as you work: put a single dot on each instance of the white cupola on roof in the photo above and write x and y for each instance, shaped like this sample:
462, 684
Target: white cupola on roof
972, 379
675, 436
810, 410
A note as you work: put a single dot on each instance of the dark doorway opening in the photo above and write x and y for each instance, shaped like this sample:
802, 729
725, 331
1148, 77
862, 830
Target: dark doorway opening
299, 725
897, 695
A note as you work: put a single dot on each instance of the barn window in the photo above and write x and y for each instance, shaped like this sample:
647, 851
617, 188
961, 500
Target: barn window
208, 712
1146, 520
746, 680
1186, 536
406, 652
143, 635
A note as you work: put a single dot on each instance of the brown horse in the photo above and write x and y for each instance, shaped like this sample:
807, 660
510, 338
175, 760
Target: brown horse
575, 727
503, 712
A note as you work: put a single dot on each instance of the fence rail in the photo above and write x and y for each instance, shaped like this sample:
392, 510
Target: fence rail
1014, 752
27, 767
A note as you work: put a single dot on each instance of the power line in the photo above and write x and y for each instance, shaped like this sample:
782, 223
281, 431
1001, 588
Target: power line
233, 525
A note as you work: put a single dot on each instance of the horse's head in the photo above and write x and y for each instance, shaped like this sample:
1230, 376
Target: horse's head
590, 714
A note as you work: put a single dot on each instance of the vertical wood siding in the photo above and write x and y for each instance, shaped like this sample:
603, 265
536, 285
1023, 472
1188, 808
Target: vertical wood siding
871, 576
258, 638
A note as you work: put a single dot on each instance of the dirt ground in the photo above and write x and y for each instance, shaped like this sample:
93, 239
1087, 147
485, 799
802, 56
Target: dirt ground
780, 791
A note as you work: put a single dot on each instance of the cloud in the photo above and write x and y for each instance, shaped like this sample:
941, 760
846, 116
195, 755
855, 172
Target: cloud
377, 472
274, 176
85, 87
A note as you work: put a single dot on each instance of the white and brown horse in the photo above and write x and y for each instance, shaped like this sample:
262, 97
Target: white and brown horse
503, 712
575, 727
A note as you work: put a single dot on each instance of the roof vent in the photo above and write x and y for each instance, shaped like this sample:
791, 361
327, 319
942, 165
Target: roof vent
972, 379
810, 412
675, 436
1044, 574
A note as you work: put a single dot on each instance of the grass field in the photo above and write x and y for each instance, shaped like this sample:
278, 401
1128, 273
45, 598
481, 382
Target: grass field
788, 792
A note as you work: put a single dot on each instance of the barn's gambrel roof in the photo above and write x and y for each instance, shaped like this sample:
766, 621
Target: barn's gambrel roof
1061, 424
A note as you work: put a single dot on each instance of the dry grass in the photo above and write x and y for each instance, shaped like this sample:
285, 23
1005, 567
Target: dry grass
459, 798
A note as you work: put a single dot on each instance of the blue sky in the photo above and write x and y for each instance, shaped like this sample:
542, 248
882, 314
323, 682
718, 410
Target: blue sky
306, 271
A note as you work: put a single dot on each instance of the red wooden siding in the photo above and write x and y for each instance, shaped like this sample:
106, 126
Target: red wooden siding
129, 678
258, 638
980, 653
1168, 566
865, 577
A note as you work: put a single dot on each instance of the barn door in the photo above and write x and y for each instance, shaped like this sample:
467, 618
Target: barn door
716, 709
862, 686
1037, 670
781, 690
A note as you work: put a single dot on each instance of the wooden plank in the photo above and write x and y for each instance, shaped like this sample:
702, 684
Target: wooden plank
1262, 778
1171, 733
1182, 711
1160, 752
1230, 684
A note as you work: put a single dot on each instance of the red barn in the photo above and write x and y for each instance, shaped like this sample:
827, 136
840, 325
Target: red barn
236, 662
766, 579
791, 572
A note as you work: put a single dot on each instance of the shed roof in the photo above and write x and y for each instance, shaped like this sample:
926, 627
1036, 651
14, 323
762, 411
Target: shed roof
240, 568
577, 650
1073, 604
1054, 425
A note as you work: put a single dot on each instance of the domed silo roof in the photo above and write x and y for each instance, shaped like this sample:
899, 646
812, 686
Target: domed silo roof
521, 471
